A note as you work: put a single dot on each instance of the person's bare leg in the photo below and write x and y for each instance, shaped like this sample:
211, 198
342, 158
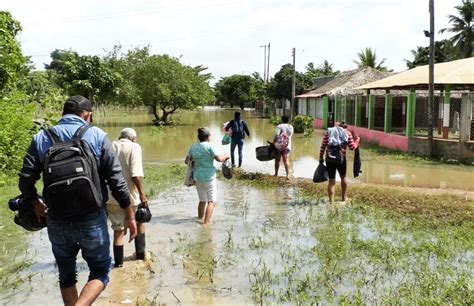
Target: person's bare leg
201, 209
118, 237
343, 188
331, 185
286, 163
141, 228
69, 295
209, 210
90, 292
277, 165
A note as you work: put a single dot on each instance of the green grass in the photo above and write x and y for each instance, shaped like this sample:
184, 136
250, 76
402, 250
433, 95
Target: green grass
12, 238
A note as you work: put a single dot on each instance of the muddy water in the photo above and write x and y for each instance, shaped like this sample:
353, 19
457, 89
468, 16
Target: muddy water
255, 237
173, 143
260, 245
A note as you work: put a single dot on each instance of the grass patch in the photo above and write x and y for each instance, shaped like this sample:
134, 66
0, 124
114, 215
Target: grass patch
437, 209
12, 238
160, 176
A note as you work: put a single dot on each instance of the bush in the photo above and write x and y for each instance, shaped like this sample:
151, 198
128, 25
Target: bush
17, 128
303, 124
275, 120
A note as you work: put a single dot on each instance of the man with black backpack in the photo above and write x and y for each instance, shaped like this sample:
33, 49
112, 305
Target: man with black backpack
238, 129
335, 144
76, 161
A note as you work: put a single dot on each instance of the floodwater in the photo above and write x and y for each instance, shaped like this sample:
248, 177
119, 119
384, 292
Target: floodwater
171, 144
263, 245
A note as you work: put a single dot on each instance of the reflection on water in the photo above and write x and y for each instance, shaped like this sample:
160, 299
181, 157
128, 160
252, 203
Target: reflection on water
172, 143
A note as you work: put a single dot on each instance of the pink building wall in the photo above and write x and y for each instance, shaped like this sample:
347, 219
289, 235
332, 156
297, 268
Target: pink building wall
390, 141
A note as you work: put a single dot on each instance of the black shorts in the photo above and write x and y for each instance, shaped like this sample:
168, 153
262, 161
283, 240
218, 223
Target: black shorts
342, 169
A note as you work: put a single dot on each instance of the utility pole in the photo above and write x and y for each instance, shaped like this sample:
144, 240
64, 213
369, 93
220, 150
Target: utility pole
268, 65
431, 80
264, 62
293, 86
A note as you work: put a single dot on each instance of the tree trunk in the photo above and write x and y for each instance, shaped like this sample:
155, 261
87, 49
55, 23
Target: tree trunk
164, 117
153, 106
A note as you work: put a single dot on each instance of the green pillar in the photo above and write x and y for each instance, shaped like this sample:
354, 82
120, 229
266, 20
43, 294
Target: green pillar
358, 111
325, 111
371, 104
337, 109
387, 128
346, 108
411, 107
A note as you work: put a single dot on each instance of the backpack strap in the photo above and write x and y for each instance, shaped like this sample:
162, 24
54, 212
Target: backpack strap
81, 131
52, 135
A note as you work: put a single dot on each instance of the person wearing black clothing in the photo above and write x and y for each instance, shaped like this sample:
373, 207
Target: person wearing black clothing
238, 128
84, 230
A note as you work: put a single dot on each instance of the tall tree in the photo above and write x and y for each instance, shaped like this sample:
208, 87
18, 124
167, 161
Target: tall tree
12, 62
167, 85
462, 27
15, 111
444, 52
280, 85
85, 75
124, 63
238, 90
368, 58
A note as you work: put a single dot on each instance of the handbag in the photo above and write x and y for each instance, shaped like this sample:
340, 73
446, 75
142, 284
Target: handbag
189, 178
320, 174
225, 139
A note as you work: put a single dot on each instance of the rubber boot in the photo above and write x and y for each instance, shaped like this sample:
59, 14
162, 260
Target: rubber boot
118, 256
140, 246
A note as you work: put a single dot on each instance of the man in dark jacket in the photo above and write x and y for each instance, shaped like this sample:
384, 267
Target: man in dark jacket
85, 232
238, 128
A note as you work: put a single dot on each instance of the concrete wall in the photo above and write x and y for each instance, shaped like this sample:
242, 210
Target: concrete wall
443, 148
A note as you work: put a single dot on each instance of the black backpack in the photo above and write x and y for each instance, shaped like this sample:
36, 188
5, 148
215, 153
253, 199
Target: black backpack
71, 177
238, 130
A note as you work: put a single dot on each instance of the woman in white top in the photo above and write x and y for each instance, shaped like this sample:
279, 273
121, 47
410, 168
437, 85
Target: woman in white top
282, 142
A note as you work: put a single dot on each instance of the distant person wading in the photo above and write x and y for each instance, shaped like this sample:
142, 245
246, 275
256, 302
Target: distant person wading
238, 129
202, 154
335, 144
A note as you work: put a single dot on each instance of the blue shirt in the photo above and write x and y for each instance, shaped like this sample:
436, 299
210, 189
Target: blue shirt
65, 130
203, 154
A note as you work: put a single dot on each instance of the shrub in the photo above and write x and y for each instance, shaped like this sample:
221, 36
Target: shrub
17, 128
303, 124
275, 120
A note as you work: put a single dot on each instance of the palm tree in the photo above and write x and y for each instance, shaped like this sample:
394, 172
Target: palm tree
368, 58
462, 27
326, 69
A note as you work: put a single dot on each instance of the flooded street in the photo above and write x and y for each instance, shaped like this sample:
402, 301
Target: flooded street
269, 245
264, 246
172, 143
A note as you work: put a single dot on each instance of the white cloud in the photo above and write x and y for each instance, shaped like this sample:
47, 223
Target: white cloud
226, 35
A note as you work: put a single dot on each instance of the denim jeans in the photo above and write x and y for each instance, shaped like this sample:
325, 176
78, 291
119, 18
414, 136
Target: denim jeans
91, 236
240, 144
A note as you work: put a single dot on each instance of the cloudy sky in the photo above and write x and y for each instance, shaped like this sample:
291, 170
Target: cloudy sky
226, 35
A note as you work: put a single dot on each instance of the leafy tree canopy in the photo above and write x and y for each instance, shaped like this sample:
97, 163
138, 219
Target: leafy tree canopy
239, 90
462, 27
85, 75
167, 85
444, 52
13, 63
280, 85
